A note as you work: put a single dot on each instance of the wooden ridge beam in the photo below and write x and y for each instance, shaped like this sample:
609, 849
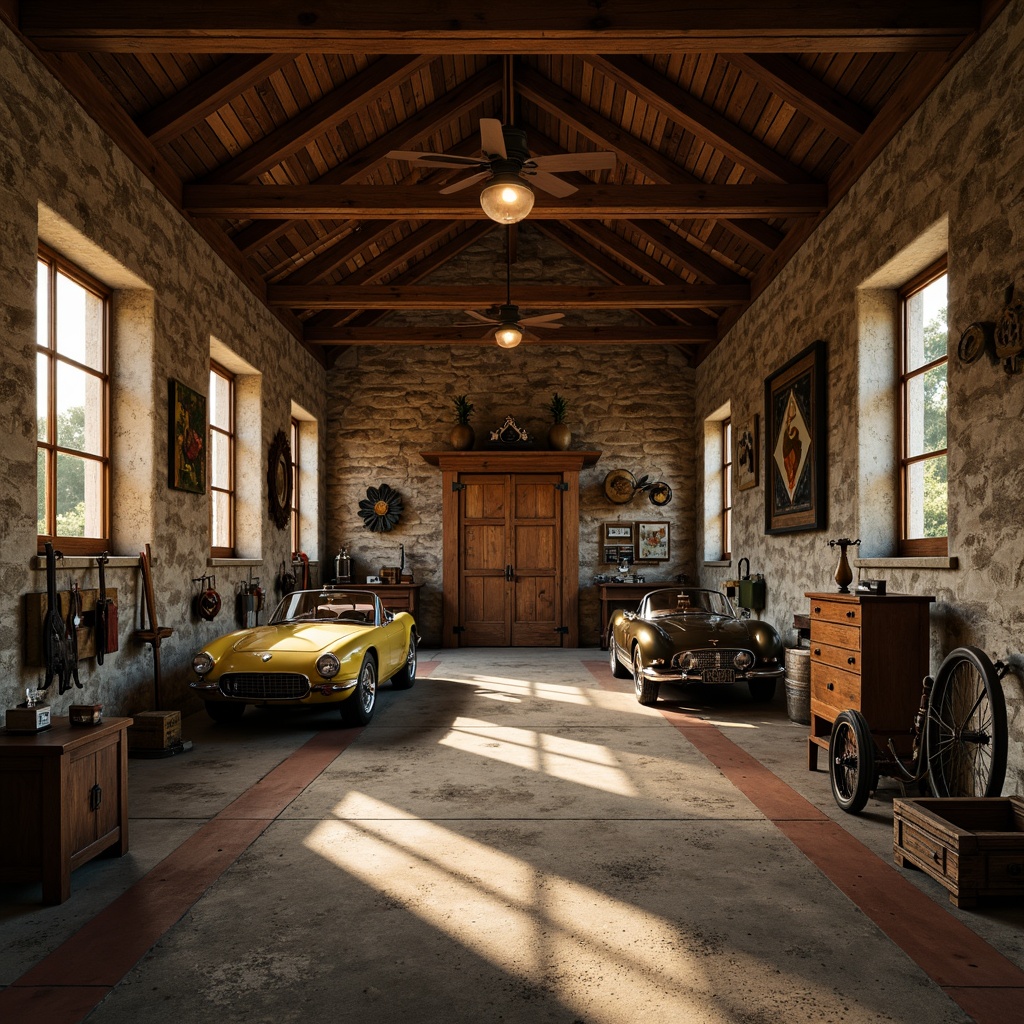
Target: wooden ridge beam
529, 26
603, 335
365, 202
390, 297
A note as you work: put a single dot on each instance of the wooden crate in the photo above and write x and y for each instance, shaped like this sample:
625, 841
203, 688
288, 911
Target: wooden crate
154, 730
974, 846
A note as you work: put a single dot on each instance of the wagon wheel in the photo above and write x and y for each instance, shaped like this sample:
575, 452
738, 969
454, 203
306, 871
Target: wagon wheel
851, 761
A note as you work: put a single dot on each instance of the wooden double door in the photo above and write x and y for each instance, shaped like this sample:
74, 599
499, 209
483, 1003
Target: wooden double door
510, 559
511, 547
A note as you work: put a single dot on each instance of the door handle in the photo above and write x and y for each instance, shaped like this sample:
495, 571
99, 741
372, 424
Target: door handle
508, 574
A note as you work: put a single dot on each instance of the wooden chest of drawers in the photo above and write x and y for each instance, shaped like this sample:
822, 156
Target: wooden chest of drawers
869, 654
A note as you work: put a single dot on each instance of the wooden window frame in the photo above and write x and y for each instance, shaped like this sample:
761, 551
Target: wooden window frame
917, 546
59, 264
296, 473
221, 551
727, 488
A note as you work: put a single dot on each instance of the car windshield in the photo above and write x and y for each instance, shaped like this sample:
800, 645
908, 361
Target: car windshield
687, 601
328, 605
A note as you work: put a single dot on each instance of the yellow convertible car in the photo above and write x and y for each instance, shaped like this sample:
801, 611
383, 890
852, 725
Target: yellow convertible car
330, 646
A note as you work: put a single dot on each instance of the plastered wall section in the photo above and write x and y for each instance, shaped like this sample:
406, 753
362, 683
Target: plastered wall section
387, 406
61, 178
961, 157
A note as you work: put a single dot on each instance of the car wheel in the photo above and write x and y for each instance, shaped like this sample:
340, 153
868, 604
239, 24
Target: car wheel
357, 709
406, 675
646, 691
618, 669
223, 713
762, 690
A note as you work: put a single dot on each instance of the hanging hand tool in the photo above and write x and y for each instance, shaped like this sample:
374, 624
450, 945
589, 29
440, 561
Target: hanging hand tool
155, 634
106, 616
74, 620
55, 643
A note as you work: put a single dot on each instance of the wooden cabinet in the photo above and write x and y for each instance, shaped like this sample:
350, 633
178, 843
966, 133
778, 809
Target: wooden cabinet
620, 595
869, 654
396, 597
63, 800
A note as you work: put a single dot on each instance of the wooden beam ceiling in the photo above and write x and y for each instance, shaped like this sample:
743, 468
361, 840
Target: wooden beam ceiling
464, 26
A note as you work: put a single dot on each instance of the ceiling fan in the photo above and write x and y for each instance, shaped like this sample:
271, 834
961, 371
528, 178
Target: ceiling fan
508, 329
506, 161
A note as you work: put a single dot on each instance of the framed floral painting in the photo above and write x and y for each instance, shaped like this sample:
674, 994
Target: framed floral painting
187, 439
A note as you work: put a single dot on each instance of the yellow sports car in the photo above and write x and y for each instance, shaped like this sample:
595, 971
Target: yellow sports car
330, 646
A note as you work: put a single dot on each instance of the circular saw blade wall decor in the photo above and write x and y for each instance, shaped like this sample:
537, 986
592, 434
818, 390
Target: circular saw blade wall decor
381, 508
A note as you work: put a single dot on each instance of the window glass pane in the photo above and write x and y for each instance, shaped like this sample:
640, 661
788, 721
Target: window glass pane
41, 490
220, 521
79, 323
220, 402
43, 306
79, 497
926, 324
926, 498
79, 410
220, 464
926, 411
42, 397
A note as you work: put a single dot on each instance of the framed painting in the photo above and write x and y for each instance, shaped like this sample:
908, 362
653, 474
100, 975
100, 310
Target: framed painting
652, 542
795, 465
747, 453
186, 439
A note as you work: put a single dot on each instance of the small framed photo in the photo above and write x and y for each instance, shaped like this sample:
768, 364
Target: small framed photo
620, 533
611, 553
653, 542
747, 455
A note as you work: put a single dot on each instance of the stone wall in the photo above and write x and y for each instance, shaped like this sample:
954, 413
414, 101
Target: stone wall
63, 181
389, 405
959, 160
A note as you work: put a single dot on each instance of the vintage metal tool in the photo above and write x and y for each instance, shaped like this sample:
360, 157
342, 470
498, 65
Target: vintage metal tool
74, 620
55, 641
156, 634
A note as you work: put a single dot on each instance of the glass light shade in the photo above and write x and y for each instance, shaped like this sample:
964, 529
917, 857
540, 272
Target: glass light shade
508, 337
507, 199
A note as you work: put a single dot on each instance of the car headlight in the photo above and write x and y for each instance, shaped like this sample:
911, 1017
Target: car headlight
202, 663
743, 660
688, 662
328, 665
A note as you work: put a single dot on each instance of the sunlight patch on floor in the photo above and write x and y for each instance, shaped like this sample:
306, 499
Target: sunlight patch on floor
587, 764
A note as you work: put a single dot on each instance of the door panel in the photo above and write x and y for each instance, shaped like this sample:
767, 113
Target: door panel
510, 559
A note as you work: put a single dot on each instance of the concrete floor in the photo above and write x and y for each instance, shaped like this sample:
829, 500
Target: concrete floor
513, 840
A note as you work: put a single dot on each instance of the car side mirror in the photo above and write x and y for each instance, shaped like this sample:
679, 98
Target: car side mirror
630, 616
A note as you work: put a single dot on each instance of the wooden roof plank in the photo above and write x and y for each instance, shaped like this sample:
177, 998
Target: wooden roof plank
198, 100
602, 335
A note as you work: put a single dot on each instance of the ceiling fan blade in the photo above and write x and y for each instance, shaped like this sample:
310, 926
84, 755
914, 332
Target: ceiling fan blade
549, 183
492, 138
478, 317
574, 162
465, 183
435, 159
529, 336
544, 320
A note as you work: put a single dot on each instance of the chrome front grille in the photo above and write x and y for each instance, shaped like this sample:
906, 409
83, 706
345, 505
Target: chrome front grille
264, 685
711, 658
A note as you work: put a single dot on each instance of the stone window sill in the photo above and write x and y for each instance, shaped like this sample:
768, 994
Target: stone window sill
931, 562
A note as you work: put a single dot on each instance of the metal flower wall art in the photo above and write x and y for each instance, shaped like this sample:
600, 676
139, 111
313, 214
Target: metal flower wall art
381, 508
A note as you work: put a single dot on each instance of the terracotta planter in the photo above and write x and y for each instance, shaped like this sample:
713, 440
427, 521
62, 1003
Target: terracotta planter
462, 437
559, 437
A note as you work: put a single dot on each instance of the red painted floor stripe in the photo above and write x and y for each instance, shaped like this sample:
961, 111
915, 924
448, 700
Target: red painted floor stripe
69, 983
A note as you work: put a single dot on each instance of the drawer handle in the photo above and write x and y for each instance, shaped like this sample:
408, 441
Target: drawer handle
851, 615
935, 856
830, 686
851, 661
817, 650
817, 611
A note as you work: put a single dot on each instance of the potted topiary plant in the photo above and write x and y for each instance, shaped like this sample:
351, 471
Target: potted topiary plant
462, 436
559, 436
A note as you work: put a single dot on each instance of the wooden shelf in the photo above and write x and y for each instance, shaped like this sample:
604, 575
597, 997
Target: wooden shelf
512, 461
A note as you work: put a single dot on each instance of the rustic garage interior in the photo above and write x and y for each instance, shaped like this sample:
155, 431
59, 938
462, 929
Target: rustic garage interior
213, 193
